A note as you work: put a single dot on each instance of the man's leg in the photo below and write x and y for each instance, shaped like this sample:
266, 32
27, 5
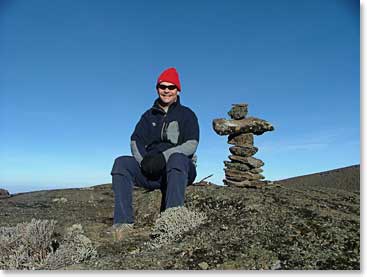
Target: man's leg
180, 172
125, 174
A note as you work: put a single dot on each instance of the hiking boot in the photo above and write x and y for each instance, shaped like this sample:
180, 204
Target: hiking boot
121, 231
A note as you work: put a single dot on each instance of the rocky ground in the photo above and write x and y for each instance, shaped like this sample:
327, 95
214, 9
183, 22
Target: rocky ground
286, 225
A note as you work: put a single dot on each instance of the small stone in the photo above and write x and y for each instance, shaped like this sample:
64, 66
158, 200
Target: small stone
241, 139
224, 227
237, 175
203, 265
256, 170
244, 184
241, 184
250, 161
60, 200
238, 166
243, 151
238, 111
134, 250
277, 265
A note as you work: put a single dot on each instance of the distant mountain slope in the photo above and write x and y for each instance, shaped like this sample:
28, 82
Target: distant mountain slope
346, 178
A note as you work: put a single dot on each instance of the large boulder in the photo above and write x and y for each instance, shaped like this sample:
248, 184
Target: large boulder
4, 193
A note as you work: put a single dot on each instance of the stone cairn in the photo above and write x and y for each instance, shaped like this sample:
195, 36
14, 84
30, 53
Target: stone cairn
243, 170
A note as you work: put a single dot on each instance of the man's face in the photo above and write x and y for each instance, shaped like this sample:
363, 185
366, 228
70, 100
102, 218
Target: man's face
167, 93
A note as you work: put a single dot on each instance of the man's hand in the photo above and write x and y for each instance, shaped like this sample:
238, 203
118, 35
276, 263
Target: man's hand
153, 165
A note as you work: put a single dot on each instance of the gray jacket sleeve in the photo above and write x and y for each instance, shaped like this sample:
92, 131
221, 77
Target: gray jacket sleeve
137, 140
135, 151
191, 133
188, 148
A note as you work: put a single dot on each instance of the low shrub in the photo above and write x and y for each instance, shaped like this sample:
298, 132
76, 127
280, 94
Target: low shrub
33, 245
173, 223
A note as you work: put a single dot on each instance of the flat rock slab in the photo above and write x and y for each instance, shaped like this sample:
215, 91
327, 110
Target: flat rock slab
256, 170
241, 139
250, 161
247, 125
238, 111
237, 166
243, 151
237, 175
244, 184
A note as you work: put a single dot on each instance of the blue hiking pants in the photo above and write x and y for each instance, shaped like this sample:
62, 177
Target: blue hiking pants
126, 172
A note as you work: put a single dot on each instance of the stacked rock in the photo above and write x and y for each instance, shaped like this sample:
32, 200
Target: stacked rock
242, 169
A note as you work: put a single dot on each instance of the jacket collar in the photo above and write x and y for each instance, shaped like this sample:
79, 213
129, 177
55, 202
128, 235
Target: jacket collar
156, 106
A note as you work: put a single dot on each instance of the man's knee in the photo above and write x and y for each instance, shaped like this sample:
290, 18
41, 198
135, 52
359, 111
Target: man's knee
178, 161
124, 165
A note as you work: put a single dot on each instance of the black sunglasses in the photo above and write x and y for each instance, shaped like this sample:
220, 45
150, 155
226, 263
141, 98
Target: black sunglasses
170, 87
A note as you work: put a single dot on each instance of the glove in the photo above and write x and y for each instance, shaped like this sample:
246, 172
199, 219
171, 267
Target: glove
152, 165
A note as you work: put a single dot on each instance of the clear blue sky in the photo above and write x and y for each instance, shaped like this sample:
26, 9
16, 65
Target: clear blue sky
75, 77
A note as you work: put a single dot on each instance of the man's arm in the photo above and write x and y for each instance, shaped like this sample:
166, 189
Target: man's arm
137, 142
189, 146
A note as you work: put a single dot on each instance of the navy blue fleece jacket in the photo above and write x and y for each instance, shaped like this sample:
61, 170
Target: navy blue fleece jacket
174, 131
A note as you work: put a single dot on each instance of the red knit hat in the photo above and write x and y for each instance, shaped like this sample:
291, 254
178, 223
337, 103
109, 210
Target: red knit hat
170, 75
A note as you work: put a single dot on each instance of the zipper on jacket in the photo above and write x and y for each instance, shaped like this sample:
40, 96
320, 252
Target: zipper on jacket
164, 128
165, 132
162, 131
164, 123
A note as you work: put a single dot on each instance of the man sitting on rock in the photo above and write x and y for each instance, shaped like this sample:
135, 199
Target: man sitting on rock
163, 145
